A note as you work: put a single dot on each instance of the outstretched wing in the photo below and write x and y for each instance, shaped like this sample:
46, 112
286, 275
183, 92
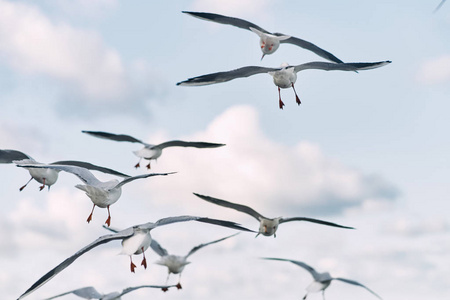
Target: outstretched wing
53, 272
8, 156
284, 220
86, 293
326, 66
311, 47
114, 137
226, 76
193, 250
225, 20
188, 144
129, 179
238, 207
158, 248
89, 166
308, 268
439, 6
358, 284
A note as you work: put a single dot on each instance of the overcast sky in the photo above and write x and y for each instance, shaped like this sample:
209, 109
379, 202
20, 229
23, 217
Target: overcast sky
367, 149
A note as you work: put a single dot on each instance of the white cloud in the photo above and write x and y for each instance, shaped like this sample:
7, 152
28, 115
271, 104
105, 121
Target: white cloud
267, 175
435, 71
32, 44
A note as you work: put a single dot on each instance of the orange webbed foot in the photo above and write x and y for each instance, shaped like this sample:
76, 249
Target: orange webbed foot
179, 286
132, 267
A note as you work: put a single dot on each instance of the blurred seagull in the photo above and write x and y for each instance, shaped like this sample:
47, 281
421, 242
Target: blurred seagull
135, 240
47, 176
321, 280
439, 6
267, 226
102, 194
284, 77
149, 151
174, 263
269, 42
91, 293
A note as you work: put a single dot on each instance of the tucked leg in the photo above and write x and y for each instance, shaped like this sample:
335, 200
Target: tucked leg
26, 184
42, 186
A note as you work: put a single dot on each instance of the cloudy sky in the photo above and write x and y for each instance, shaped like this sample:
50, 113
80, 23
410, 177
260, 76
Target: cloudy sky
368, 150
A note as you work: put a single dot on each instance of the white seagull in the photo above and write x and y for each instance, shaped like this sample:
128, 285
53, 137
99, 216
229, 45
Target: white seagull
102, 194
267, 226
90, 292
321, 280
46, 176
284, 77
174, 263
269, 42
135, 240
150, 151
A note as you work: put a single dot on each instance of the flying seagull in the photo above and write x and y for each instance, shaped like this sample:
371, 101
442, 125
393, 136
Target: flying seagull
102, 194
90, 292
267, 226
439, 6
284, 77
150, 151
46, 176
135, 240
321, 280
269, 42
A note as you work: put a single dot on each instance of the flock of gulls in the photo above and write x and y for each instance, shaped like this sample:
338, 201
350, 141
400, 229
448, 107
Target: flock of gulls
136, 239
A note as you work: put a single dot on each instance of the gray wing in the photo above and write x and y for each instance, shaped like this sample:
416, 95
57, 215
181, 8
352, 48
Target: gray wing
226, 76
356, 283
308, 268
225, 20
114, 137
326, 66
83, 174
8, 156
89, 166
158, 248
188, 144
311, 47
86, 293
130, 289
129, 179
439, 6
193, 250
53, 272
171, 220
238, 207
283, 220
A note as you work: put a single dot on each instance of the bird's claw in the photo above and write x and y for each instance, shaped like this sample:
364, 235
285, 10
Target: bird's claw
164, 289
137, 165
144, 263
178, 286
132, 267
108, 221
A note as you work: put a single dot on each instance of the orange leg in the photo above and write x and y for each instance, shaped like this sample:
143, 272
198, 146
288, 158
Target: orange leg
42, 186
26, 184
144, 261
297, 99
132, 266
148, 166
279, 99
89, 219
138, 164
108, 221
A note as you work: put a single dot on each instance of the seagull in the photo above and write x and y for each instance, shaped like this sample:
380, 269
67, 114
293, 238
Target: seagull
284, 77
46, 176
135, 240
90, 292
102, 194
269, 42
267, 226
149, 151
321, 280
175, 263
